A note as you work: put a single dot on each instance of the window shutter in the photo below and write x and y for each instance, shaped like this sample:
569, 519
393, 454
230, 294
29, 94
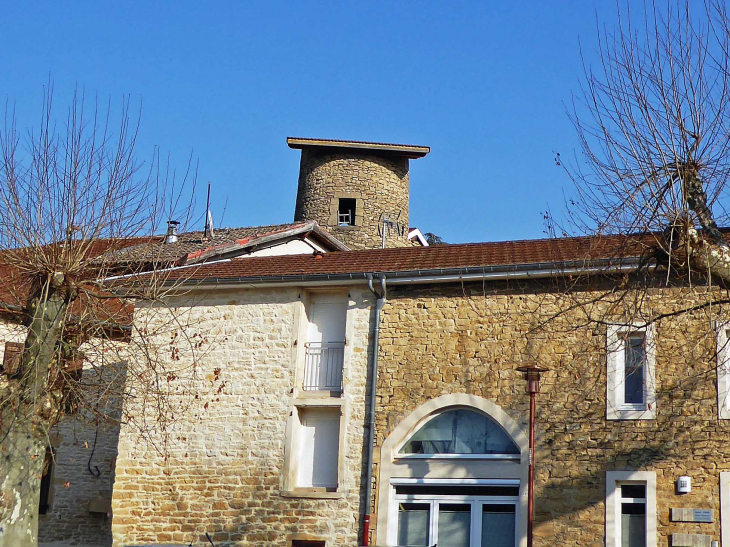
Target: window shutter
319, 448
12, 358
328, 316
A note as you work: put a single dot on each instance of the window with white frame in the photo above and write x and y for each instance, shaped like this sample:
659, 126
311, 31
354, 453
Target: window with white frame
325, 345
631, 509
456, 515
630, 356
722, 329
317, 458
456, 512
725, 507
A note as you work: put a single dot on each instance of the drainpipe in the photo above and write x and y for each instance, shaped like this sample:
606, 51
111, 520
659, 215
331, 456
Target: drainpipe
380, 302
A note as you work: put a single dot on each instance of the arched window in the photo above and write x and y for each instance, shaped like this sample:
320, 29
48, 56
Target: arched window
454, 473
460, 431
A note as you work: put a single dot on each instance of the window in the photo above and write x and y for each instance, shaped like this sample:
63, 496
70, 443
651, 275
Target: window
454, 472
319, 440
475, 517
631, 509
307, 543
460, 431
630, 373
722, 329
46, 478
325, 346
12, 358
346, 212
725, 507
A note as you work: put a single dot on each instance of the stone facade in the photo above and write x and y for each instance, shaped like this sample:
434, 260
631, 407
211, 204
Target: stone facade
378, 184
82, 470
224, 468
437, 340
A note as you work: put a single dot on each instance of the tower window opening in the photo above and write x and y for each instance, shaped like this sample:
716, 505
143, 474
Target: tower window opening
346, 212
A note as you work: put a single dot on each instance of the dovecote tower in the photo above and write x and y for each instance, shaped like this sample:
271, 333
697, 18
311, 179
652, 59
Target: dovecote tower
356, 189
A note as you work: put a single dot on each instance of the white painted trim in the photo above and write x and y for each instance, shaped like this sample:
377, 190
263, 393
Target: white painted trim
723, 371
613, 505
392, 471
458, 457
725, 507
415, 232
616, 409
478, 482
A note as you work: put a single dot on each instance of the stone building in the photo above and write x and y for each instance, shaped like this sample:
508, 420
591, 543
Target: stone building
280, 457
273, 446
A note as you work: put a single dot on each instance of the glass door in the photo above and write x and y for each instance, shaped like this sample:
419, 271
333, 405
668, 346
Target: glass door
454, 524
456, 521
498, 525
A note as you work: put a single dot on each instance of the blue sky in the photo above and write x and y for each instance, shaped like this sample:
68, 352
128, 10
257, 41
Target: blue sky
483, 83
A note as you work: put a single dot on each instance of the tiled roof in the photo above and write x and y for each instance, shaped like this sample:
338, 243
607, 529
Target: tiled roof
509, 254
194, 247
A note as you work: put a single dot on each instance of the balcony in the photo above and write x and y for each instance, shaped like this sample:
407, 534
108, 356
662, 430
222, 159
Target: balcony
323, 366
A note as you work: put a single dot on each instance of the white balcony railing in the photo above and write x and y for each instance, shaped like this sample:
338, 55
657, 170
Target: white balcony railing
323, 366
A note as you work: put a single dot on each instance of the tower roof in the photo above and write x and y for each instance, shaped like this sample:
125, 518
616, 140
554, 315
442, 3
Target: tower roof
411, 151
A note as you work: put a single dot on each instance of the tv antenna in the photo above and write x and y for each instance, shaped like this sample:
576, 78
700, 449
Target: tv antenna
389, 223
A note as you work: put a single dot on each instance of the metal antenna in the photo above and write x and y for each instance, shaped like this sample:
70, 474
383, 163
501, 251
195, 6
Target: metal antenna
387, 224
208, 233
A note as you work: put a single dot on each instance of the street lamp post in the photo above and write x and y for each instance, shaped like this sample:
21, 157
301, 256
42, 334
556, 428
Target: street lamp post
532, 376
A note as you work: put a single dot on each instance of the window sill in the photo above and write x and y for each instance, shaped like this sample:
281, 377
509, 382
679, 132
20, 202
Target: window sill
310, 493
631, 414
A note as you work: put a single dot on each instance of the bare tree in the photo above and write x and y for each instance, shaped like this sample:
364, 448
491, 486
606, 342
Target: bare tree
653, 120
73, 195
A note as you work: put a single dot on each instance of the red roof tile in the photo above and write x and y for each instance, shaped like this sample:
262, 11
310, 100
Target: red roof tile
421, 259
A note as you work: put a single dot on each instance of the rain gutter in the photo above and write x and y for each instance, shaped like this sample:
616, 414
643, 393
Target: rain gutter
379, 303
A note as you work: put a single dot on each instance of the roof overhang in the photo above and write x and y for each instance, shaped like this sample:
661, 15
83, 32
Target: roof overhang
411, 151
415, 277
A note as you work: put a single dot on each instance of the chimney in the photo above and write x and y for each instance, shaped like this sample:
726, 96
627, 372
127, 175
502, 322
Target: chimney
171, 236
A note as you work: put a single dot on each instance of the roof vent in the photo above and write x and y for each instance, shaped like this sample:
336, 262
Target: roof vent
171, 236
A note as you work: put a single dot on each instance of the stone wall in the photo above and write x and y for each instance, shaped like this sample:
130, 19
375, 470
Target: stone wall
379, 184
444, 339
79, 500
219, 468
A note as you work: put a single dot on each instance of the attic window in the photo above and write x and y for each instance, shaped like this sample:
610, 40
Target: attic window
346, 212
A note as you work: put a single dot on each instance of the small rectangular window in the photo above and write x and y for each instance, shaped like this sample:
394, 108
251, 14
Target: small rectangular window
723, 369
307, 543
46, 477
630, 393
634, 368
633, 515
346, 212
12, 358
319, 443
631, 509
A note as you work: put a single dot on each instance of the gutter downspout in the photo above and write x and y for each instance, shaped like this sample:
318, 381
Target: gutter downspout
380, 302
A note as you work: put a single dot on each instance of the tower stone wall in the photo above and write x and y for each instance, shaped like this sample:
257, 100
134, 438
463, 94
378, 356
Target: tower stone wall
377, 182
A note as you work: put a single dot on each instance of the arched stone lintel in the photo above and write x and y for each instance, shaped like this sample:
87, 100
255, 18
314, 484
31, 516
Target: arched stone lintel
415, 419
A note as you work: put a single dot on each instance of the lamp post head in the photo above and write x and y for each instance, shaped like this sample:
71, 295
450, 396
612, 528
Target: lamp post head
532, 376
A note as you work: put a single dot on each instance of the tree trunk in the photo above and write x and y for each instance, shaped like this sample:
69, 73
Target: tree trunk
26, 418
22, 456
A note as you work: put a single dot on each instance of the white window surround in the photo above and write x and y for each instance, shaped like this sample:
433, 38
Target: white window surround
395, 469
616, 408
613, 504
725, 507
292, 481
723, 371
